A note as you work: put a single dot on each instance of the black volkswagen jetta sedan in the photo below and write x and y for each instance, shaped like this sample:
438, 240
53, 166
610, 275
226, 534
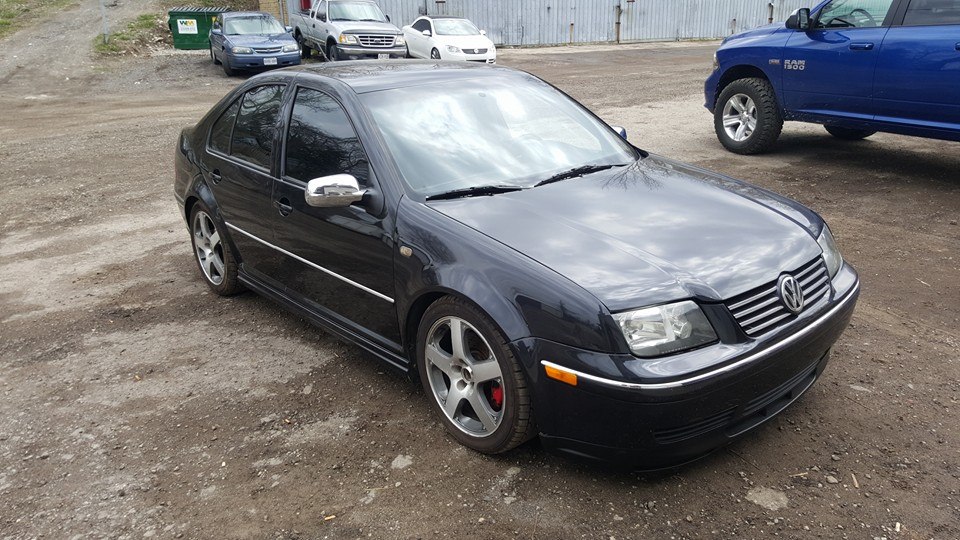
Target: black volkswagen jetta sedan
539, 275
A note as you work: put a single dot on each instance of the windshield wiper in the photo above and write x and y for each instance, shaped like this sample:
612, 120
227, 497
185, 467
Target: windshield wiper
370, 20
575, 172
474, 191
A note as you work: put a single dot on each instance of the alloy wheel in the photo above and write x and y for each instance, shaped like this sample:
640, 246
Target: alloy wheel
740, 117
464, 376
209, 249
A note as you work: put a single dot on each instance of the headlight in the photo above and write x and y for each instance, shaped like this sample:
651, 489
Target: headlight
451, 48
660, 330
716, 62
291, 48
242, 50
346, 38
831, 255
400, 41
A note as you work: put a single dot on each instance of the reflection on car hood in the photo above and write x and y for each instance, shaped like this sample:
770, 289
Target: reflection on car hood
650, 233
275, 40
466, 42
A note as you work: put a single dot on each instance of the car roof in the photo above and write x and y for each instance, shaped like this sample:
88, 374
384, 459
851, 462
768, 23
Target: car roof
240, 14
369, 76
443, 17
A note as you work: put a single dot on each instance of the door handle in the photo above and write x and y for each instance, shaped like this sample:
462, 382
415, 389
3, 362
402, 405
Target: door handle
283, 205
215, 176
861, 46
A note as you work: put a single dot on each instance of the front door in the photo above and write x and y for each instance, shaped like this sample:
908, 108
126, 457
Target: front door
339, 260
918, 73
828, 70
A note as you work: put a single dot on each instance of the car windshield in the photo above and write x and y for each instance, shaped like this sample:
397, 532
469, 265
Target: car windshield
455, 27
241, 26
356, 11
506, 131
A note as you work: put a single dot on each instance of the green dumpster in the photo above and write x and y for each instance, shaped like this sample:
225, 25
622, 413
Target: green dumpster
190, 26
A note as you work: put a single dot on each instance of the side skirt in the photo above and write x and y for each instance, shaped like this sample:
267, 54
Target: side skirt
324, 321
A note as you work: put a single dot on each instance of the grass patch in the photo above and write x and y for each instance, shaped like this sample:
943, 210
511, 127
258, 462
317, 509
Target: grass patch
145, 30
15, 14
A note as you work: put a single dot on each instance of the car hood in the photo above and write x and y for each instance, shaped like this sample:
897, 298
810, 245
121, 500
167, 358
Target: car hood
758, 33
274, 40
360, 27
654, 232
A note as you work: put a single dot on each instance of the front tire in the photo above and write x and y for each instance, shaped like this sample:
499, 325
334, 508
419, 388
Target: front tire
212, 252
227, 70
333, 52
848, 134
435, 54
213, 57
471, 378
746, 117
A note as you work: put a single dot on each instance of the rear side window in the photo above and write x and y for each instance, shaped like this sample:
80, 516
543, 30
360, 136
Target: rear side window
932, 12
321, 140
252, 139
854, 14
223, 127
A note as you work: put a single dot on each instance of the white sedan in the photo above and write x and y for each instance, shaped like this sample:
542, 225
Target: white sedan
448, 38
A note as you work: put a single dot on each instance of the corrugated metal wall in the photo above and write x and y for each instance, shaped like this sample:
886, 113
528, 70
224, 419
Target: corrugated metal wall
555, 22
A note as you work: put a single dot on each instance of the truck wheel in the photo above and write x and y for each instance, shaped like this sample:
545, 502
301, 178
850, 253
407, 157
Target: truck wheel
849, 134
746, 117
333, 52
304, 48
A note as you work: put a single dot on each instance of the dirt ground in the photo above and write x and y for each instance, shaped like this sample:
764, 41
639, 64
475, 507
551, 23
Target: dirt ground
137, 404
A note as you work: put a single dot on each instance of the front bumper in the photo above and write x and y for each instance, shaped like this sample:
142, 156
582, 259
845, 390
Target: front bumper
261, 61
710, 90
652, 424
355, 51
489, 57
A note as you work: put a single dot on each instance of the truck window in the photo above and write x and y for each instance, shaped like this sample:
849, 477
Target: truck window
854, 14
932, 12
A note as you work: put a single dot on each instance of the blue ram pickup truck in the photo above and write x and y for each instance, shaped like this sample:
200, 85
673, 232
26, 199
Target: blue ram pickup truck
855, 66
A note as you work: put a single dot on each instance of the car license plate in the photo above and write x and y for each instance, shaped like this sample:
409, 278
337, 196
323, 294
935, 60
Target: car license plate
383, 56
269, 61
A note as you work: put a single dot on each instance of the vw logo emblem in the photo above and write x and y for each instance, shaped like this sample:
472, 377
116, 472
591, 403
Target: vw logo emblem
791, 294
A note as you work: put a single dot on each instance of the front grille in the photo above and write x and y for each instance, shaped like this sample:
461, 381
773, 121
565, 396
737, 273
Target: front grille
474, 51
267, 50
761, 310
373, 40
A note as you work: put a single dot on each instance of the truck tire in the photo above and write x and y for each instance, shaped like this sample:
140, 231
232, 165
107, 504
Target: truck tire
848, 134
333, 53
304, 48
747, 117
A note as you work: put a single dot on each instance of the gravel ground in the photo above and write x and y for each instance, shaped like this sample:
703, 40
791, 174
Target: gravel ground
136, 404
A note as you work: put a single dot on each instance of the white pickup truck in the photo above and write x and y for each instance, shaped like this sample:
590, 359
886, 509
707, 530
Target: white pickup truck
347, 29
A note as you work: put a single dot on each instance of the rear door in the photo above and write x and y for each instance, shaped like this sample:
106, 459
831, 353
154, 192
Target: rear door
339, 260
828, 70
918, 73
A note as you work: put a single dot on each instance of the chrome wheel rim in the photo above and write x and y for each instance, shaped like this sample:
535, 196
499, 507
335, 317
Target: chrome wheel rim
465, 377
435, 54
740, 117
209, 249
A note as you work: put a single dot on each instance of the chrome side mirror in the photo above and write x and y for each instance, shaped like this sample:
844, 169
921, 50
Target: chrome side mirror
621, 131
333, 191
426, 33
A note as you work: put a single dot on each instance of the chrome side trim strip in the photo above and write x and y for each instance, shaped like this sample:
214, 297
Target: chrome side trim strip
729, 367
312, 265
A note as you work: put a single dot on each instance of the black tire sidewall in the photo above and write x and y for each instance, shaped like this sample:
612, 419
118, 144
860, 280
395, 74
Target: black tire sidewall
502, 438
769, 120
230, 283
438, 54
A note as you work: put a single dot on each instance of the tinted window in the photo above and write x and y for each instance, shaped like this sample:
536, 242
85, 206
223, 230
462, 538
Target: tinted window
421, 25
256, 124
853, 14
929, 12
220, 133
321, 141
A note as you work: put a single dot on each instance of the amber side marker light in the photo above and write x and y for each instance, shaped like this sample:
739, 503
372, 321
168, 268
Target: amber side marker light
561, 375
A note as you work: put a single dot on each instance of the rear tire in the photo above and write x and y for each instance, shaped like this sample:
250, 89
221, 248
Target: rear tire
212, 252
305, 49
473, 382
747, 117
848, 134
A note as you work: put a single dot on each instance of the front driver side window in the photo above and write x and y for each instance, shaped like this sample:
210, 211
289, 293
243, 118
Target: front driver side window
421, 25
854, 14
321, 140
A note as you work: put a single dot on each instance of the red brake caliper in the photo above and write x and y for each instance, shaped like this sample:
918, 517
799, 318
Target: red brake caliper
496, 396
